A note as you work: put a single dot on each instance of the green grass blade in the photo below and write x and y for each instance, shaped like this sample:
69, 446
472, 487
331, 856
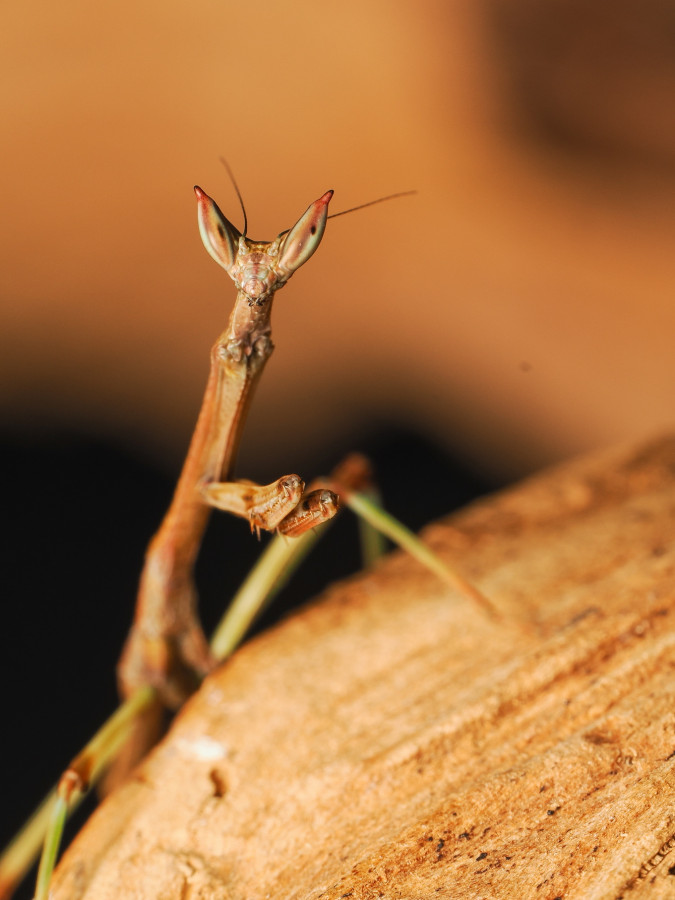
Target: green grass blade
367, 509
82, 774
373, 543
21, 852
275, 566
57, 821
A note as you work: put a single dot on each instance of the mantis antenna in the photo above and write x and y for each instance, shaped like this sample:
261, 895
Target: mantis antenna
372, 203
332, 216
364, 205
236, 187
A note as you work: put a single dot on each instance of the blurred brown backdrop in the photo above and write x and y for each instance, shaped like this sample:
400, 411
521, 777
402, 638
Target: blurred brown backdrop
519, 308
516, 310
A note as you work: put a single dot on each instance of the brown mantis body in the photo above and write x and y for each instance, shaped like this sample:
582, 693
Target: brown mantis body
166, 646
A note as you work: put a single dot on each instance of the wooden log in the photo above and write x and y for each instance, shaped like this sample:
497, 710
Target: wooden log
391, 741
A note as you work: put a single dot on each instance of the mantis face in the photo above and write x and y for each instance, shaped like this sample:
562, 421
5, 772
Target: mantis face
258, 269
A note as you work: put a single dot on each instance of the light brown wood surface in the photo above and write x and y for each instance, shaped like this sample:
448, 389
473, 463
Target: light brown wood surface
390, 741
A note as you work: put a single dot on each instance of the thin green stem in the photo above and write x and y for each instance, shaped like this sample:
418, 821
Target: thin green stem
20, 854
57, 821
385, 523
373, 543
82, 773
48, 819
275, 566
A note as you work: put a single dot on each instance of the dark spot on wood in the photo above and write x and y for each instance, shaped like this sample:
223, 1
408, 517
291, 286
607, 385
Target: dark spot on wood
584, 614
313, 229
671, 871
551, 812
218, 782
481, 856
464, 836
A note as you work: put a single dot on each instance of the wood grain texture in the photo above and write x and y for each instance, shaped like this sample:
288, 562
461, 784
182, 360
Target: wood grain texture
390, 741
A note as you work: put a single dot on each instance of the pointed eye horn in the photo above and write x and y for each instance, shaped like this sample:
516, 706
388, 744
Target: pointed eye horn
220, 237
304, 237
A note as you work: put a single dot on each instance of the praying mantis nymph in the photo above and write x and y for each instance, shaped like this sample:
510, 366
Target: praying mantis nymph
166, 647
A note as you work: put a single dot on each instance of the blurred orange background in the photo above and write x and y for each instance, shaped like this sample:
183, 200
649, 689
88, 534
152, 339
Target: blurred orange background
518, 308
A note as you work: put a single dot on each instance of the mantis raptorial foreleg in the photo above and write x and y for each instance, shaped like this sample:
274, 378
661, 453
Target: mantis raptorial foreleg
282, 506
264, 505
273, 506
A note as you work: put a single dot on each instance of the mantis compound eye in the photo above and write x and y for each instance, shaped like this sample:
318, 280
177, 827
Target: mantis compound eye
304, 237
220, 237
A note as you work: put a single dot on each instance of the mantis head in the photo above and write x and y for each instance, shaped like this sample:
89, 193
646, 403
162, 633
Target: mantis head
259, 268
